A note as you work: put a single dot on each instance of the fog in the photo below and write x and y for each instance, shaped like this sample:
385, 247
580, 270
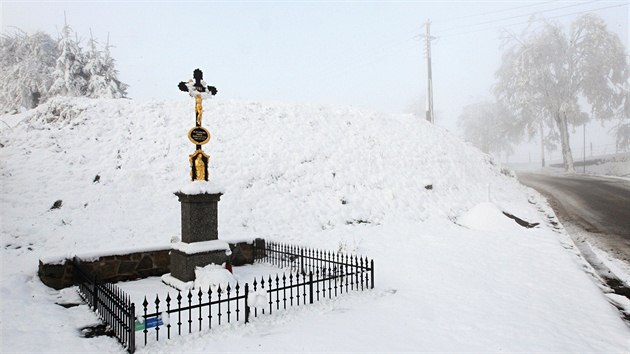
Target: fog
335, 53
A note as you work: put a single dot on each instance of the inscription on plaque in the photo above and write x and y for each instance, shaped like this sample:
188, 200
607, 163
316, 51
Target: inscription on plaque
199, 135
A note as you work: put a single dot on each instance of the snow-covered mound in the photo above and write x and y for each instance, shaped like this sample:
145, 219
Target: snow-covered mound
486, 217
287, 171
452, 275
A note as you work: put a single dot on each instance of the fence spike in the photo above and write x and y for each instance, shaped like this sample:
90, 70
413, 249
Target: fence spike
372, 274
144, 319
277, 292
246, 302
189, 296
219, 314
157, 310
209, 307
227, 293
200, 297
310, 287
179, 313
238, 310
168, 309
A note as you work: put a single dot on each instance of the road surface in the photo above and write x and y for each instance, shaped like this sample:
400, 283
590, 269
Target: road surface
598, 205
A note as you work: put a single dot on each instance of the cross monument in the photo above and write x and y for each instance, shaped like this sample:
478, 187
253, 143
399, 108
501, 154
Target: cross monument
199, 244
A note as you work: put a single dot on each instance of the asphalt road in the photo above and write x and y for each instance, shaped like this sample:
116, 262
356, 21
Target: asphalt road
598, 205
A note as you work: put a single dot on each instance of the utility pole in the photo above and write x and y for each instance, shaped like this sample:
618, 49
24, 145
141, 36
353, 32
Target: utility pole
584, 150
427, 49
542, 143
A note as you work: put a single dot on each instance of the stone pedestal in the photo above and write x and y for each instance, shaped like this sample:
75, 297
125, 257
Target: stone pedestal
199, 216
199, 244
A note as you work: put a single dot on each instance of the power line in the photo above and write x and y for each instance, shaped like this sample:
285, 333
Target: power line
517, 16
526, 22
495, 11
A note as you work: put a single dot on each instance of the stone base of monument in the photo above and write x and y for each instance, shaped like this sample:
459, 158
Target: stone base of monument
199, 244
186, 257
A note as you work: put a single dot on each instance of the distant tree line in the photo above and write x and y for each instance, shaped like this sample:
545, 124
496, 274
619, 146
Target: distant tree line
35, 67
550, 80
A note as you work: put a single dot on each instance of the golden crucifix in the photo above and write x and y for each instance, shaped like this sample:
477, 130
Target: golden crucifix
198, 135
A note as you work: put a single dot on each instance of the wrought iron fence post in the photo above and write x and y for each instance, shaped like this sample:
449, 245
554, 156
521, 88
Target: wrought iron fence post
246, 303
302, 261
132, 330
310, 286
372, 274
95, 292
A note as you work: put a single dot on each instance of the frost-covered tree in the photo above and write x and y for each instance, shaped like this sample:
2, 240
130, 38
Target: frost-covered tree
487, 126
35, 67
102, 74
26, 63
69, 78
549, 76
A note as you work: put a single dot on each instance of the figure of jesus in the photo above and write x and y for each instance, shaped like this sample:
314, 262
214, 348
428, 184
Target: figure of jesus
198, 109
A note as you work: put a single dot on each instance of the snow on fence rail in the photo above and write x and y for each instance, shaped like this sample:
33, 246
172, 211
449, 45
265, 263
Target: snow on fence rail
313, 275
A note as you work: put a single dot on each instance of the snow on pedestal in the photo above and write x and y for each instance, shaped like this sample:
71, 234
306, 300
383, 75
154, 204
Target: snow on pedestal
201, 187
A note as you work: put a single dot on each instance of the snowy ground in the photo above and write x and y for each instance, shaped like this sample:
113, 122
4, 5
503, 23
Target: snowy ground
616, 166
452, 274
613, 165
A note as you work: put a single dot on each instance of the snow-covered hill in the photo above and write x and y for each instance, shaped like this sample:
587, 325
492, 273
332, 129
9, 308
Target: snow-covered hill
288, 171
452, 273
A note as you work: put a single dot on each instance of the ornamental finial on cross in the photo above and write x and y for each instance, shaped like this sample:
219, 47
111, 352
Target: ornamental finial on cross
198, 135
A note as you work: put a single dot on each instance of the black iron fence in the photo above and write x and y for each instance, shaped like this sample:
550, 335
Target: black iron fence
311, 275
194, 311
356, 270
110, 303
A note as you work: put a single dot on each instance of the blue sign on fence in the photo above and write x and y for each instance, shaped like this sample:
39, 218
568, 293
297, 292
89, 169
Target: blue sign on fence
150, 323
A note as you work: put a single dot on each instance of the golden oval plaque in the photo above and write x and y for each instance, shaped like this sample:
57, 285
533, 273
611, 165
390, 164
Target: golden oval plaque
199, 135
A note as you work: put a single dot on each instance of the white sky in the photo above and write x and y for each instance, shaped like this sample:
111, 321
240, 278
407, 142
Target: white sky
351, 53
